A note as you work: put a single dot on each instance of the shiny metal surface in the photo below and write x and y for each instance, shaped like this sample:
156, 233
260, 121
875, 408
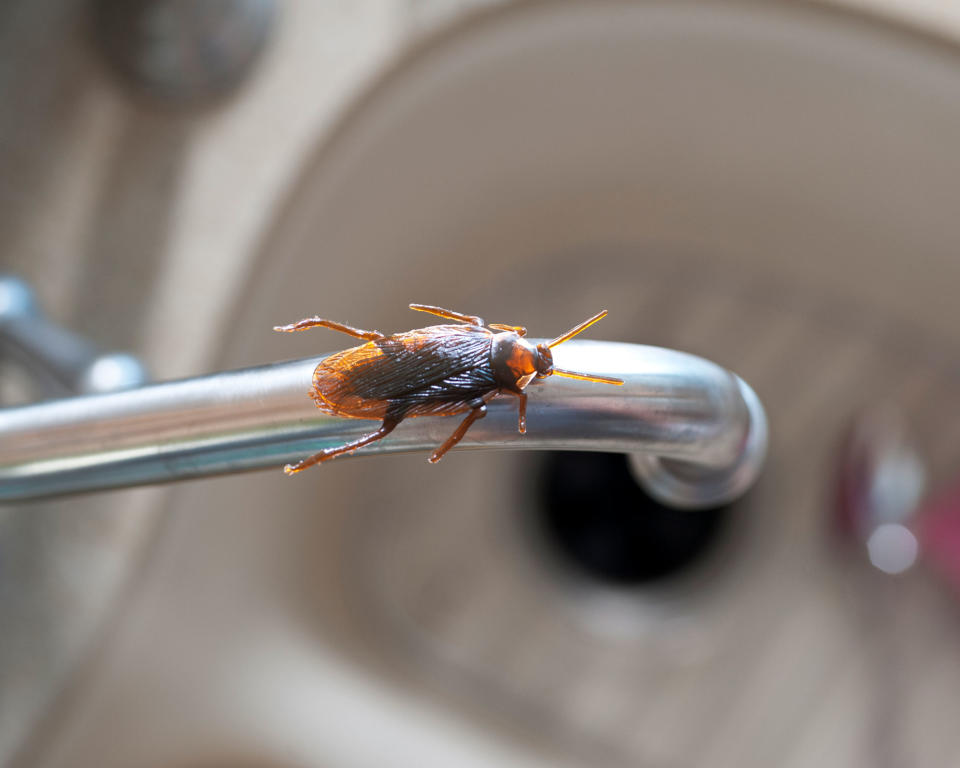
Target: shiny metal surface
882, 480
880, 486
702, 430
60, 361
99, 551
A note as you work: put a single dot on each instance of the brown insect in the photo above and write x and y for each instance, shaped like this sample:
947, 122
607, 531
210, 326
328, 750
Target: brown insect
441, 370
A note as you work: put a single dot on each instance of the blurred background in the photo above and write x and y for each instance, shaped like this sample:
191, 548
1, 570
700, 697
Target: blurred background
772, 186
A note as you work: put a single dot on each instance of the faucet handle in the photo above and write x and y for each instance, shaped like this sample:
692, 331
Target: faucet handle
59, 360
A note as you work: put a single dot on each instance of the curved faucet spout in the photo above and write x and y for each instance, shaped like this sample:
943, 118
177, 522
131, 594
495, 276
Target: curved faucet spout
697, 433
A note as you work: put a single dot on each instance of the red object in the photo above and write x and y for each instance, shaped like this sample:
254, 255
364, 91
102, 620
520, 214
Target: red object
938, 528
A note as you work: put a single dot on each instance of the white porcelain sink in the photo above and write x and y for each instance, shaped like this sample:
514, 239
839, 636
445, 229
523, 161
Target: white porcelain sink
773, 186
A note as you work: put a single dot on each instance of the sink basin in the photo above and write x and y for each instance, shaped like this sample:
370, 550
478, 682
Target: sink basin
770, 186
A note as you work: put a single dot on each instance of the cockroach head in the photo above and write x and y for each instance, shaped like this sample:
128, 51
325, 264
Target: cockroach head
545, 356
515, 361
544, 361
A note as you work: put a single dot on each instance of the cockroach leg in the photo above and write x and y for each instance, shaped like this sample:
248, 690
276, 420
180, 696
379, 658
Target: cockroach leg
478, 412
521, 409
315, 322
522, 413
385, 429
448, 314
517, 329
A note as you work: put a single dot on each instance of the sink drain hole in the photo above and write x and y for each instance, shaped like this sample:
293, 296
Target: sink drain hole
591, 511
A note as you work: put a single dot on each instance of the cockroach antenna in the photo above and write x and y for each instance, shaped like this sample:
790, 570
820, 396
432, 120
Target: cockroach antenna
577, 329
569, 335
587, 377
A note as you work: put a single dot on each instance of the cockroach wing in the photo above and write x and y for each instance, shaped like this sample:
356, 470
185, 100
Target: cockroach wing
435, 370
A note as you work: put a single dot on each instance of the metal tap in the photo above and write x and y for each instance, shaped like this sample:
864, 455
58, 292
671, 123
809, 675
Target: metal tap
697, 433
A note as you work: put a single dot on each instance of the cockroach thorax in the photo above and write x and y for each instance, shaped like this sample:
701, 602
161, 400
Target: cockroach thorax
515, 361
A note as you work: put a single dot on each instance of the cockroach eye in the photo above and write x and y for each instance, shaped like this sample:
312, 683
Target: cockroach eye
544, 361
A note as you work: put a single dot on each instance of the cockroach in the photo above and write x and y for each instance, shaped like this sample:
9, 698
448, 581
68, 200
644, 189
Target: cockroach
441, 370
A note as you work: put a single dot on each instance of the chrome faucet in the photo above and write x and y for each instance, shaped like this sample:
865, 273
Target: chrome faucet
696, 433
